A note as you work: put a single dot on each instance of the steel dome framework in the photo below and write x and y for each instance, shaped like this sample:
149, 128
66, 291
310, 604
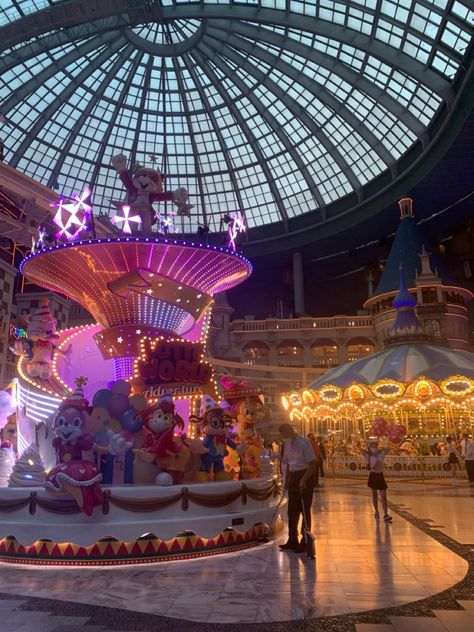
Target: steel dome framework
297, 113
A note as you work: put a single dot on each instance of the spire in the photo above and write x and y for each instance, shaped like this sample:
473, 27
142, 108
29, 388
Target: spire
407, 244
406, 322
426, 276
403, 298
406, 207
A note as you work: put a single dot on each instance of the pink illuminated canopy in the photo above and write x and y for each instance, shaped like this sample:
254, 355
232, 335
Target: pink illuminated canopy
161, 283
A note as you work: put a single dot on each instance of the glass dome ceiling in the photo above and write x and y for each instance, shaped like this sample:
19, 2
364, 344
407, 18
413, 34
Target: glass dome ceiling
277, 108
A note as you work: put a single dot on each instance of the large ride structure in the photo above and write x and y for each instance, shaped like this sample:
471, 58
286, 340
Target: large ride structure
149, 295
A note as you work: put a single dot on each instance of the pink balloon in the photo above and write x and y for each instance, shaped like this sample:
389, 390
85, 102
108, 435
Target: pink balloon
379, 427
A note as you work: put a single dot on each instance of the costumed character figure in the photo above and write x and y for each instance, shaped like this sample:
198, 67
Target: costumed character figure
214, 424
160, 445
244, 405
39, 347
144, 187
73, 474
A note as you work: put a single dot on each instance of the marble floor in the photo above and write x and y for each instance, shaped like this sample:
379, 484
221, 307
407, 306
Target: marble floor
362, 565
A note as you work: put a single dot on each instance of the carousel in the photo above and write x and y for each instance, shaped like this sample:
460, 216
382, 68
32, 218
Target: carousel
413, 392
123, 449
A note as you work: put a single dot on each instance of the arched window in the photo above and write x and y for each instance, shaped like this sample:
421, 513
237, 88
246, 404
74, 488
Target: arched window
290, 353
359, 348
255, 352
324, 352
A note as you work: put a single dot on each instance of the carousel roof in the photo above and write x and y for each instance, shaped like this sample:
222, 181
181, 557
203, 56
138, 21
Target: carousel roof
297, 113
402, 363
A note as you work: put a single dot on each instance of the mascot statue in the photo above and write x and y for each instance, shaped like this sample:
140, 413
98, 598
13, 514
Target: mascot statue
144, 187
161, 446
39, 347
214, 424
243, 403
74, 474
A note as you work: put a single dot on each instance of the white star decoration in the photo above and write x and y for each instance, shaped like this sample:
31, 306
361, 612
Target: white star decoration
138, 331
41, 236
235, 227
120, 339
74, 219
126, 219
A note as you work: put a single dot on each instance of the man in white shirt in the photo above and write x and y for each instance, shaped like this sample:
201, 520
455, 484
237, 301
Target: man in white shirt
467, 453
298, 468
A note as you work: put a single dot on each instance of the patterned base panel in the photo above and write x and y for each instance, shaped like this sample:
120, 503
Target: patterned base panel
147, 549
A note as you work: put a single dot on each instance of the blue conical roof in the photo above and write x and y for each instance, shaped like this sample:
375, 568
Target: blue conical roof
403, 298
406, 321
406, 249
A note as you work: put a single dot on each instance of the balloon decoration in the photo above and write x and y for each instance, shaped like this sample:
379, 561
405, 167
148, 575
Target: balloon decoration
381, 428
396, 433
115, 410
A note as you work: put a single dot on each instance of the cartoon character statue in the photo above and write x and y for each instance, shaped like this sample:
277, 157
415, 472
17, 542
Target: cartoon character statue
39, 347
244, 404
144, 187
73, 474
214, 424
161, 445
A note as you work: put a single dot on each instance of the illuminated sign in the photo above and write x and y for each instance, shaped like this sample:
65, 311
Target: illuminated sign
17, 332
171, 366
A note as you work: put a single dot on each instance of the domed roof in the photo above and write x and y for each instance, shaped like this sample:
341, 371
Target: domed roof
280, 110
403, 363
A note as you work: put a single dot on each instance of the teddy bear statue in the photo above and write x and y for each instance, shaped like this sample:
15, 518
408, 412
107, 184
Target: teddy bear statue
144, 187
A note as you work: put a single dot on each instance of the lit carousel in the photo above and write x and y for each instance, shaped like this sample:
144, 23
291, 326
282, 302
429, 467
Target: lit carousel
412, 383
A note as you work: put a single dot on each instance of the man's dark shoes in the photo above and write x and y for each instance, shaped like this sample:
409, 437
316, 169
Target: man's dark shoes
288, 546
300, 548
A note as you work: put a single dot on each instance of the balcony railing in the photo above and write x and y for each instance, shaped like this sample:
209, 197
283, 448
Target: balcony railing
280, 324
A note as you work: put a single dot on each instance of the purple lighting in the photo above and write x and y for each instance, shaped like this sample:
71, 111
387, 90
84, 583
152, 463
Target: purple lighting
69, 216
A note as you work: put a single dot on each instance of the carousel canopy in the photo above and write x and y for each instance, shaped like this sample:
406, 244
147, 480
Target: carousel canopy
403, 363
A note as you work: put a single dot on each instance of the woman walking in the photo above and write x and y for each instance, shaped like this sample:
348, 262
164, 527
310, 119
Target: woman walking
453, 456
376, 482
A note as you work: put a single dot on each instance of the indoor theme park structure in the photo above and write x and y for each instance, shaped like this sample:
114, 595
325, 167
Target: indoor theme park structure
123, 452
413, 395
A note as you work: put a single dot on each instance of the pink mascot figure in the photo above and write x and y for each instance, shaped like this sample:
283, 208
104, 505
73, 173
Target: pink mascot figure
244, 406
39, 347
214, 424
73, 474
161, 445
144, 187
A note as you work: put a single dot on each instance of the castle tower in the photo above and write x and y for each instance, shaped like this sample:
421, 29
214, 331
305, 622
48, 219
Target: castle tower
441, 305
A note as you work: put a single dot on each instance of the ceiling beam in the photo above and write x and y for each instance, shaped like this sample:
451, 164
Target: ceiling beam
60, 64
315, 89
122, 13
73, 133
63, 96
331, 64
293, 106
279, 132
202, 55
210, 112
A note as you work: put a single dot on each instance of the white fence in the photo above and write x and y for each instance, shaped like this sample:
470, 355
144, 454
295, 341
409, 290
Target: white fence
395, 466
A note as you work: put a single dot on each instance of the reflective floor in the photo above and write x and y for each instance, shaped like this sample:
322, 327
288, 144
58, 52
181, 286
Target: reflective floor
362, 564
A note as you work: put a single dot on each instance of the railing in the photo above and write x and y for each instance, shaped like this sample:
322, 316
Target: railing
277, 324
394, 466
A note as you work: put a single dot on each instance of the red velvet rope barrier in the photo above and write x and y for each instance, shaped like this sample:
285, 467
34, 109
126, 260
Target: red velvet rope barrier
146, 505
